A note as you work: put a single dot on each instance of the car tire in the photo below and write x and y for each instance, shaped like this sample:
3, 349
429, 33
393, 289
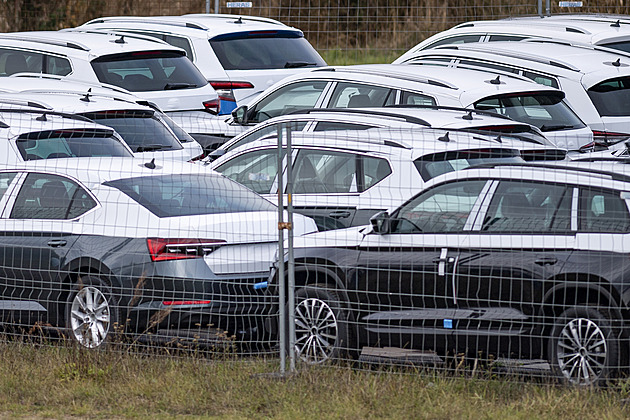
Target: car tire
584, 348
91, 313
322, 333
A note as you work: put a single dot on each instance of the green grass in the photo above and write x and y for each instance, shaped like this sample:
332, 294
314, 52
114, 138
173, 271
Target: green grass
53, 381
339, 57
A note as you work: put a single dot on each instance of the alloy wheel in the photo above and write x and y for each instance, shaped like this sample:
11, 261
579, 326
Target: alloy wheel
582, 351
316, 330
90, 317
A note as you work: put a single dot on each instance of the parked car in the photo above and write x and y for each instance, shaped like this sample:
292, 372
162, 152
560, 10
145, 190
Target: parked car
520, 261
602, 32
103, 245
239, 55
140, 126
30, 134
340, 119
341, 179
595, 82
145, 66
384, 85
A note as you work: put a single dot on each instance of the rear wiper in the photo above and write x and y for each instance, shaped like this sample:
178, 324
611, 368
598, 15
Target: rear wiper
172, 86
296, 64
152, 147
555, 127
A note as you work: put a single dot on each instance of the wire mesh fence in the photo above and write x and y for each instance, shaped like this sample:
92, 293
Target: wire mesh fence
451, 212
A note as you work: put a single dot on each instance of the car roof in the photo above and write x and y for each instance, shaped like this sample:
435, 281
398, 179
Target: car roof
193, 25
88, 45
567, 60
44, 84
97, 170
15, 121
70, 102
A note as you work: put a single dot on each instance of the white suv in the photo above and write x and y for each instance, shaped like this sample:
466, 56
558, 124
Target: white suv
151, 69
341, 179
596, 83
382, 85
239, 55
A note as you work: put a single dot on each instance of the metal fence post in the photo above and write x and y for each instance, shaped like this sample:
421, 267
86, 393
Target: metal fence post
216, 6
291, 264
540, 9
548, 8
281, 284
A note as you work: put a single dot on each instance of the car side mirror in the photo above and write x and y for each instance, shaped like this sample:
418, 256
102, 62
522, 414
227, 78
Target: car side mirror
240, 115
215, 154
381, 223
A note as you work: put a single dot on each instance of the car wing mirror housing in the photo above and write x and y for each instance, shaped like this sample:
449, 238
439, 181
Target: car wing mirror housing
240, 115
381, 223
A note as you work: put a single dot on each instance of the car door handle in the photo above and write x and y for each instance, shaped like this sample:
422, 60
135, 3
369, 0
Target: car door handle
56, 243
546, 261
339, 214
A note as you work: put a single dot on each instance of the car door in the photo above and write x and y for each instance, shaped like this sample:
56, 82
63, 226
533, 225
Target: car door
518, 244
404, 280
37, 230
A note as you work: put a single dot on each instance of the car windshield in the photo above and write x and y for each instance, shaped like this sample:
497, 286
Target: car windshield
265, 50
612, 97
547, 110
148, 71
140, 129
70, 143
190, 194
430, 166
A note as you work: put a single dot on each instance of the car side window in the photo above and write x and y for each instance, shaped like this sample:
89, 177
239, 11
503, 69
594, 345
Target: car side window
414, 98
259, 133
57, 66
493, 38
45, 196
287, 99
529, 207
444, 208
318, 171
358, 95
17, 61
256, 170
459, 39
603, 211
5, 180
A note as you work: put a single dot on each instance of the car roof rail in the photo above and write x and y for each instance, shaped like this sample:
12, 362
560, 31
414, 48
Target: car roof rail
395, 75
452, 108
46, 41
154, 20
613, 175
579, 45
235, 17
119, 32
406, 118
44, 112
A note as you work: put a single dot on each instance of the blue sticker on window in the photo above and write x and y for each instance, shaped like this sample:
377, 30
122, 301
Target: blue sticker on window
448, 323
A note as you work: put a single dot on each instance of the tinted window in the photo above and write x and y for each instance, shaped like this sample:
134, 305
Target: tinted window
413, 98
186, 195
444, 208
148, 70
506, 38
436, 164
622, 46
603, 211
325, 172
460, 39
70, 143
340, 126
57, 66
176, 41
45, 196
546, 111
140, 129
287, 99
356, 95
529, 207
256, 134
256, 170
265, 50
612, 97
5, 181
16, 61
541, 79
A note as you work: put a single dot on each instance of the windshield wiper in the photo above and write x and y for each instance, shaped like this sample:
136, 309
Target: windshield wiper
296, 64
555, 127
172, 86
152, 147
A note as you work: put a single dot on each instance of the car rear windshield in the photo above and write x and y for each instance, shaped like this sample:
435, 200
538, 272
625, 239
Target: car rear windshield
190, 194
545, 110
436, 164
265, 50
70, 143
141, 130
612, 97
144, 71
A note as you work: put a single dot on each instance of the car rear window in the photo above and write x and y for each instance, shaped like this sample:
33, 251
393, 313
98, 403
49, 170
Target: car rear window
70, 143
190, 194
545, 110
143, 71
141, 130
265, 50
430, 166
611, 97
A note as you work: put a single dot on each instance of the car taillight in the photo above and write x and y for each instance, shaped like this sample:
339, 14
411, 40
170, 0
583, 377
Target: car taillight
607, 138
198, 158
225, 89
165, 249
212, 105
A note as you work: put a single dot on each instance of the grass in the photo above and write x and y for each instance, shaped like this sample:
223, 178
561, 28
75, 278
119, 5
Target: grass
339, 57
55, 381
